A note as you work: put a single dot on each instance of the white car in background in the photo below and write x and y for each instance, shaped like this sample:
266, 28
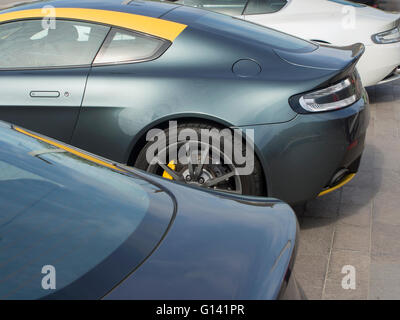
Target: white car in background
335, 22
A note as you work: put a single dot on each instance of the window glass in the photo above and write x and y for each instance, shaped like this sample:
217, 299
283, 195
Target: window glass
124, 46
230, 7
264, 6
27, 44
348, 3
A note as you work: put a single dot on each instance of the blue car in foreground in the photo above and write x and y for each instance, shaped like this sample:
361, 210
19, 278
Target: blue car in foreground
77, 226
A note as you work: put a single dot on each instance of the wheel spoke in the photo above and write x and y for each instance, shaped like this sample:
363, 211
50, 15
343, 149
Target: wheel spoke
171, 172
203, 158
190, 163
215, 181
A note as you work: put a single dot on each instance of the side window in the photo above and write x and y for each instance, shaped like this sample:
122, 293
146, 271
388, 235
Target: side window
264, 6
26, 44
229, 7
124, 46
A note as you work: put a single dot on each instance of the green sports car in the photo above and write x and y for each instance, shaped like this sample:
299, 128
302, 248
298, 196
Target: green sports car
101, 75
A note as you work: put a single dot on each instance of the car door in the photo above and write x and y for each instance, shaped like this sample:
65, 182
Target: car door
43, 73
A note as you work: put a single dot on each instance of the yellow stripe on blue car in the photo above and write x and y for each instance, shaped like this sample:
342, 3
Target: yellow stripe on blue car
68, 149
168, 30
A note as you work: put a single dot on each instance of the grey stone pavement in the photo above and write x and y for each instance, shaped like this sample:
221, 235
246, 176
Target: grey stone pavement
359, 225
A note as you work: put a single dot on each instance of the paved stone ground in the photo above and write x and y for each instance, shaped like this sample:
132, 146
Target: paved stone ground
359, 225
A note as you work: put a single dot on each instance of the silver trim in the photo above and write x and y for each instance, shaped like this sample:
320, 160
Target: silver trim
394, 76
45, 151
387, 32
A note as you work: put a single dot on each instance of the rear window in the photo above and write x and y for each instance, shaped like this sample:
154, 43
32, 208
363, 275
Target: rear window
230, 7
125, 46
348, 3
264, 6
236, 7
59, 210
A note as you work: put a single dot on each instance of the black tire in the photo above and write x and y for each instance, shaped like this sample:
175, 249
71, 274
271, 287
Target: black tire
253, 184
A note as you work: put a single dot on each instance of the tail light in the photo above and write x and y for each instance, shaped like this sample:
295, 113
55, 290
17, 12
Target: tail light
334, 97
390, 36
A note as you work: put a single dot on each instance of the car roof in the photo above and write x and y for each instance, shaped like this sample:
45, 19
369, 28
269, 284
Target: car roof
163, 20
142, 16
146, 8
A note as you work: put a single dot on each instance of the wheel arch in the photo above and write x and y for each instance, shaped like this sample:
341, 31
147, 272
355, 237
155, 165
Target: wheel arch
139, 140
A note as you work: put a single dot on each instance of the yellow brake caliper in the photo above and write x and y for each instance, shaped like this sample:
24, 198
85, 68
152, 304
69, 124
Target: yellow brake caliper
171, 165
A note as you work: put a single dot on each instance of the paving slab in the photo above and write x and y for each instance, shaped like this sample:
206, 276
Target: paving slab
361, 221
337, 271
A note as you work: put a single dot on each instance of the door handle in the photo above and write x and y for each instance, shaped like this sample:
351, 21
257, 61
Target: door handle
44, 94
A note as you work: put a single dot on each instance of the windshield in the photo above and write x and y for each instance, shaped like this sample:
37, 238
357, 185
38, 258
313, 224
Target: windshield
235, 7
62, 211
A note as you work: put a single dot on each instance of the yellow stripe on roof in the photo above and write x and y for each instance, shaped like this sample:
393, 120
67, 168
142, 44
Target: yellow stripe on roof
157, 27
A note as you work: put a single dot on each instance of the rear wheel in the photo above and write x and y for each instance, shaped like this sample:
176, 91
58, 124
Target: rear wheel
204, 165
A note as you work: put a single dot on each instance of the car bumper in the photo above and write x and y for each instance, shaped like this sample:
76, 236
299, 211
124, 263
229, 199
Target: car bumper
378, 63
293, 291
301, 157
290, 288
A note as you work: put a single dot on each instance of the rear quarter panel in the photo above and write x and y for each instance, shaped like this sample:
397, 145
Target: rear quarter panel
193, 79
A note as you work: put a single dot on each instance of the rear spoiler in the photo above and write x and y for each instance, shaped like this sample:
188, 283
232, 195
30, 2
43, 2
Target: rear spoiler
357, 50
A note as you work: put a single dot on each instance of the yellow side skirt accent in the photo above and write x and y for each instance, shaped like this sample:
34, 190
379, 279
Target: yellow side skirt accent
345, 181
157, 27
71, 150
